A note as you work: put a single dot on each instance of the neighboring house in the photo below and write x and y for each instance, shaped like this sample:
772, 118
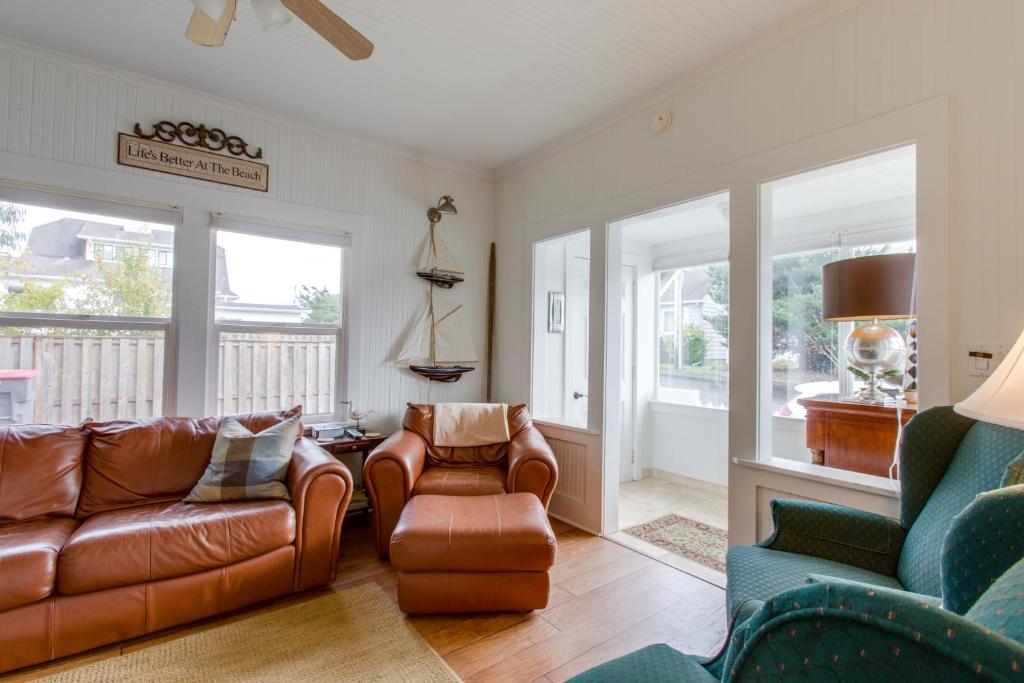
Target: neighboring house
68, 247
684, 300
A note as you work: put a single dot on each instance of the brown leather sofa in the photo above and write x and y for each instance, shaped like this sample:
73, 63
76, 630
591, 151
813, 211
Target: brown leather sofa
97, 547
409, 464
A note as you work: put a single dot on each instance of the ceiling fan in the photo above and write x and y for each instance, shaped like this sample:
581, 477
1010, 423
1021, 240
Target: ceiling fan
212, 19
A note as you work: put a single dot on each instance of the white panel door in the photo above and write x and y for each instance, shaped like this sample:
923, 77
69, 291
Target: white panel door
577, 336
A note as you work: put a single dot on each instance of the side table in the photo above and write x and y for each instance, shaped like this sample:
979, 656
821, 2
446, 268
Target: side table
362, 446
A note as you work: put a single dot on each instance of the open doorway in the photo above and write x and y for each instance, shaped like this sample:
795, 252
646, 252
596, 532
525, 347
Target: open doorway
672, 496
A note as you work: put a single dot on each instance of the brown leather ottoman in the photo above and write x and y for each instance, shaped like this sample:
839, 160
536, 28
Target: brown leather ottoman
473, 554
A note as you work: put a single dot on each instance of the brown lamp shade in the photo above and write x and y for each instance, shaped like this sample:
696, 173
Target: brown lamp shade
868, 287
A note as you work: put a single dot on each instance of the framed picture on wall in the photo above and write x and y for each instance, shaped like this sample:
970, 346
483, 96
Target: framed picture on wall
556, 312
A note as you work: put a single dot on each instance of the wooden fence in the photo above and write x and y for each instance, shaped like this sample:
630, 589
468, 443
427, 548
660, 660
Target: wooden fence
103, 378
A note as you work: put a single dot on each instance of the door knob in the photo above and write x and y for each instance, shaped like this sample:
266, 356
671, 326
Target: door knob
577, 395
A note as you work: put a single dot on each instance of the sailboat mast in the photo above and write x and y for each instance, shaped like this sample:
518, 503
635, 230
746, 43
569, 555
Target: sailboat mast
433, 323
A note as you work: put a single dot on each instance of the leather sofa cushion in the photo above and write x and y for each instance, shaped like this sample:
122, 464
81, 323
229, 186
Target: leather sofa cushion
40, 471
500, 533
28, 559
134, 462
165, 540
419, 419
461, 481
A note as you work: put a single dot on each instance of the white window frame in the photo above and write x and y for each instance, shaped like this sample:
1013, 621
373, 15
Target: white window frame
155, 213
294, 233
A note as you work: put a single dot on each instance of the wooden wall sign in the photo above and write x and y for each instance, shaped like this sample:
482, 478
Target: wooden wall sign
156, 152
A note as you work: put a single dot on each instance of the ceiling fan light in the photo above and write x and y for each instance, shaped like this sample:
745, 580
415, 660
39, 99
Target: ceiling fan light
271, 14
211, 8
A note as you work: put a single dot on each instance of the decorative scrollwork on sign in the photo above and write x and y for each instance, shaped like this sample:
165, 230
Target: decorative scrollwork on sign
213, 139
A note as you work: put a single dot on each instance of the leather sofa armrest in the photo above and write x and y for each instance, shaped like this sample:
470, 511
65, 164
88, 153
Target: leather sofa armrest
321, 488
532, 466
389, 474
835, 532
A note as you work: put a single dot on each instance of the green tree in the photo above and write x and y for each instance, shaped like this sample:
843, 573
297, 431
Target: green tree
796, 312
130, 286
322, 305
11, 216
695, 344
32, 298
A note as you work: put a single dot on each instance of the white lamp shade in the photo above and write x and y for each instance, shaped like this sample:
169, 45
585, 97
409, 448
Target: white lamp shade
211, 8
271, 14
1000, 400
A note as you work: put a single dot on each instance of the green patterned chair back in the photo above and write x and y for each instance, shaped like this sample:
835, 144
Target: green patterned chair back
1001, 607
945, 461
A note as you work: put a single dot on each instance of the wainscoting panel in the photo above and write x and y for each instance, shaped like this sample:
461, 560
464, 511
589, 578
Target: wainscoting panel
572, 469
577, 496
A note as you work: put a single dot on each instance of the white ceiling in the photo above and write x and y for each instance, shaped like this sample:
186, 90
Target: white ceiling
483, 82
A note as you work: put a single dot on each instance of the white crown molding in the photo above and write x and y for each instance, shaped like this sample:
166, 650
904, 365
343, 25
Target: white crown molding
709, 68
236, 107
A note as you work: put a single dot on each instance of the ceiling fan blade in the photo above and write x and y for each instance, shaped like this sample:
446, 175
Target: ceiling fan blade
333, 28
202, 30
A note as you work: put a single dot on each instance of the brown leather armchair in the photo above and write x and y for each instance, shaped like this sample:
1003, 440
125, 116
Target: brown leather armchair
408, 464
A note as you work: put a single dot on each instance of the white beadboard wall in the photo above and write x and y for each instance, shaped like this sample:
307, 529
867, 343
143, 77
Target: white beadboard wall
58, 109
878, 56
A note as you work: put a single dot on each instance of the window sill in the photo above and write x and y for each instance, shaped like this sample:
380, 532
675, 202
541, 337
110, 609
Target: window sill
544, 422
856, 481
686, 408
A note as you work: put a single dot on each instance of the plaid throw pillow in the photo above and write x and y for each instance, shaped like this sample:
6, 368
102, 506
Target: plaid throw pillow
247, 466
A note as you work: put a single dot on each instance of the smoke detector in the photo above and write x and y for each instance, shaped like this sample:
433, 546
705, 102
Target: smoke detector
661, 121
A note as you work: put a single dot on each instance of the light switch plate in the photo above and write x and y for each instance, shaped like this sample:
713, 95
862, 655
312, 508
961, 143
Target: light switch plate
982, 359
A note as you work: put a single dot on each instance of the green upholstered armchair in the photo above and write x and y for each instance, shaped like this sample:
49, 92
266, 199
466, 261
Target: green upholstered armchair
889, 600
946, 460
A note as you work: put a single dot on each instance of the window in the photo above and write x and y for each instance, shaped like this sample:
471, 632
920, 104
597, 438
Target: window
82, 336
807, 358
693, 340
861, 207
278, 310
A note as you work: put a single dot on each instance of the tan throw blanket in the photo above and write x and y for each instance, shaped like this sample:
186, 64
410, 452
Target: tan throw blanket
470, 424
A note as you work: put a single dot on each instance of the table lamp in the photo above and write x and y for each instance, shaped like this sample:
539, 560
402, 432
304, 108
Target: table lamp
874, 288
1000, 399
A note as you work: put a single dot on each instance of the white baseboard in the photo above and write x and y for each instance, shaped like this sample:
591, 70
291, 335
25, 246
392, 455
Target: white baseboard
687, 481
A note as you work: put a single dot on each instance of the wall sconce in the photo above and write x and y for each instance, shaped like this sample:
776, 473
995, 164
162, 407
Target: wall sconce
444, 205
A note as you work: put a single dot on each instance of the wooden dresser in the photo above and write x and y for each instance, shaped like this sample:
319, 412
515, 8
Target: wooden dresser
852, 436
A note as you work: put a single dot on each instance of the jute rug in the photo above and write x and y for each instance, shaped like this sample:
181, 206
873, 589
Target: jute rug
687, 537
356, 635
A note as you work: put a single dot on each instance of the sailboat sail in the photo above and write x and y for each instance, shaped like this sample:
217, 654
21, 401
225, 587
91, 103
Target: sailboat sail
452, 343
439, 337
437, 258
416, 348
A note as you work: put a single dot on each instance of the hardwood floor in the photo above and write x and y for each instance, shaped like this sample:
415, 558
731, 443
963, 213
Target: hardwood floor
606, 601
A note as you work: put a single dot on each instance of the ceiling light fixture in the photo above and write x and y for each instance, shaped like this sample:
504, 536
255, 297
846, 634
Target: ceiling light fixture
211, 8
271, 14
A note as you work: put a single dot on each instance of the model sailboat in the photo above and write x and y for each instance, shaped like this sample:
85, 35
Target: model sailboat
437, 263
439, 342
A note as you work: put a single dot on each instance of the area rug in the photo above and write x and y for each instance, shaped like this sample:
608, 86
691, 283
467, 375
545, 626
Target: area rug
356, 635
689, 538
